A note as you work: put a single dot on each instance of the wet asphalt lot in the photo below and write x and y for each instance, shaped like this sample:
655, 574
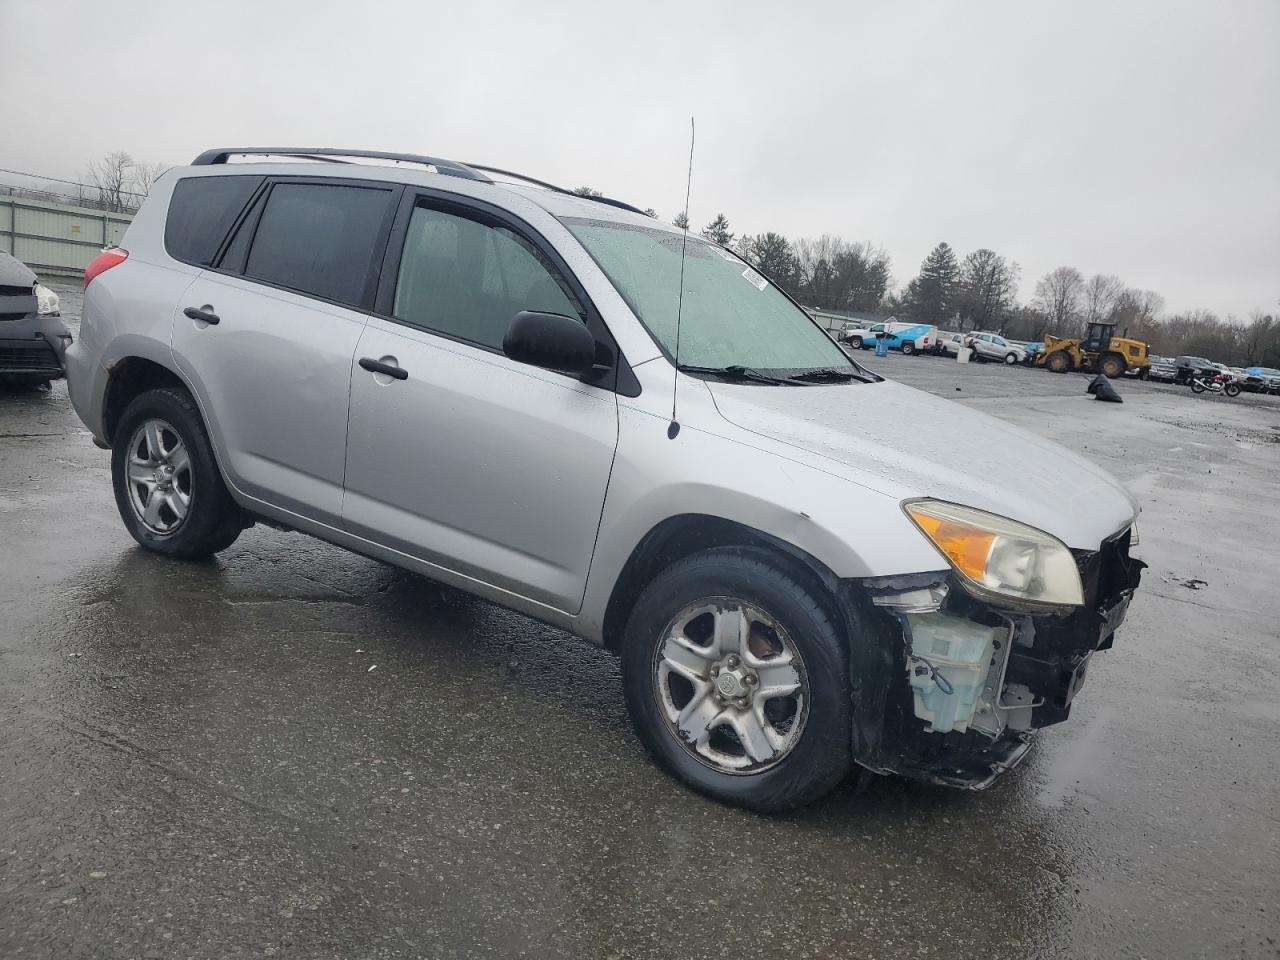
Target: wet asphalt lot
293, 751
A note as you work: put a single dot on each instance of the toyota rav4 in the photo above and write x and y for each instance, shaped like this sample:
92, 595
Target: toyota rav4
568, 408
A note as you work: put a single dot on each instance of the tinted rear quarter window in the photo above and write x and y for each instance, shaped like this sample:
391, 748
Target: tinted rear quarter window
201, 212
319, 239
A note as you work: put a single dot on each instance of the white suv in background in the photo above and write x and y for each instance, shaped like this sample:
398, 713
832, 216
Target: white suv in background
493, 384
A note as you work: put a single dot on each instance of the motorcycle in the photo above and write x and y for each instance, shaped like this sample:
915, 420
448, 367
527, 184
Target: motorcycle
1218, 383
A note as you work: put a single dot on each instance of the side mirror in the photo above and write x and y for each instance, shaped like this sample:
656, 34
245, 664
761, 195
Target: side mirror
550, 341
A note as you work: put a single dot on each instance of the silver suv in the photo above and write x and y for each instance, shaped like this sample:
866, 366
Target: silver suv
507, 388
992, 346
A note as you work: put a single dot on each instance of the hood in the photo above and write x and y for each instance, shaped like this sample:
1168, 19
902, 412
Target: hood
905, 443
15, 273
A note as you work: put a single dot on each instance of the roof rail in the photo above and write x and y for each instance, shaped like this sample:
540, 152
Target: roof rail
551, 186
448, 168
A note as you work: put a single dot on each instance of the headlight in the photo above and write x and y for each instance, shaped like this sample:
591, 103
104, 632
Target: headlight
46, 301
1000, 558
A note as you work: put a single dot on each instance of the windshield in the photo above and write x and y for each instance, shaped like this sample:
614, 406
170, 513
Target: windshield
731, 316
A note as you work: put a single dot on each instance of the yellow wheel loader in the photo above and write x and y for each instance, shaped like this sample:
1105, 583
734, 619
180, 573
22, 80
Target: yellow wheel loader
1098, 352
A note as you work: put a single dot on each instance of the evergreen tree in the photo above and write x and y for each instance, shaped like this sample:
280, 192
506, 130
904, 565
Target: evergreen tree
772, 255
930, 297
681, 220
717, 231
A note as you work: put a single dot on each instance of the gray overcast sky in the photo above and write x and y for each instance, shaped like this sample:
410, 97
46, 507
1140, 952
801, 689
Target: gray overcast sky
1141, 139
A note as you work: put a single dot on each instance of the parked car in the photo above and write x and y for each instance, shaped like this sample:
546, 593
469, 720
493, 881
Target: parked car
481, 381
1189, 366
1163, 369
949, 343
33, 338
1261, 380
908, 337
992, 346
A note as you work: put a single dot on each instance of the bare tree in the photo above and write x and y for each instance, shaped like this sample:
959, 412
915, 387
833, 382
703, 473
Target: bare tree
111, 177
1136, 312
145, 174
1058, 294
1101, 294
1260, 341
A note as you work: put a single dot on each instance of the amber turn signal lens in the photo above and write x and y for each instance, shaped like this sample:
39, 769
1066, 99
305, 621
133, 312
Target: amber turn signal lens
968, 548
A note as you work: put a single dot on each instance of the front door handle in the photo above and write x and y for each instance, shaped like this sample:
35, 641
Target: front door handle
388, 369
204, 314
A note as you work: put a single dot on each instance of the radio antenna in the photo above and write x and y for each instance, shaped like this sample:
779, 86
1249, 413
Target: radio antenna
674, 428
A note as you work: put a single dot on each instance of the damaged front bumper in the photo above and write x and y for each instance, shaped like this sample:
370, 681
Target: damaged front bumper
950, 689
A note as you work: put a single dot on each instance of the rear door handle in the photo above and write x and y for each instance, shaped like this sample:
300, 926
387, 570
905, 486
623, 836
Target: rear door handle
204, 314
389, 369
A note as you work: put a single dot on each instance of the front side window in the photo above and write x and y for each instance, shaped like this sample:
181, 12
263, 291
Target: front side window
731, 315
467, 278
318, 239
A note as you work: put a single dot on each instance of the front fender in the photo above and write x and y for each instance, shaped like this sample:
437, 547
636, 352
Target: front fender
853, 531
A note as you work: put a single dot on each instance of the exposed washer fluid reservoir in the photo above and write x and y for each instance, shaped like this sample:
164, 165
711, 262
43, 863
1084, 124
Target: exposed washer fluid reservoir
946, 666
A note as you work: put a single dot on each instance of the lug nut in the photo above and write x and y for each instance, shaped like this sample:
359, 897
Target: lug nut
750, 679
715, 670
732, 661
741, 703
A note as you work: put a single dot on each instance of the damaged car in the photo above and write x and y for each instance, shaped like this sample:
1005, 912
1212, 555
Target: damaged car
561, 405
33, 338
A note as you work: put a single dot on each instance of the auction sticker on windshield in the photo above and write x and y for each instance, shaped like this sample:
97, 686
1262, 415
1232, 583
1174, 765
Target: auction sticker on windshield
755, 279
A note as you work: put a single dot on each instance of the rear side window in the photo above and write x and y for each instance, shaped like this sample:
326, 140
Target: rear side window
201, 212
319, 239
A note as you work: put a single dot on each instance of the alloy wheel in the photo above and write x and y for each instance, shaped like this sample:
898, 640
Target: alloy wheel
731, 684
159, 475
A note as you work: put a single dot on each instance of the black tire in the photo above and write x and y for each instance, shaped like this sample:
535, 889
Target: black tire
1058, 363
1232, 389
821, 757
908, 348
855, 342
1112, 366
1010, 358
1197, 386
214, 520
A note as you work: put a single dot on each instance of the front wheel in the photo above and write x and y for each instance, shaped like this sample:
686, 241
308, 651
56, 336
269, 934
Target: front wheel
1232, 389
1010, 358
736, 680
1112, 367
855, 342
168, 489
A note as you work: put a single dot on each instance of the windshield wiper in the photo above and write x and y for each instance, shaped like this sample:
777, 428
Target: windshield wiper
825, 375
738, 372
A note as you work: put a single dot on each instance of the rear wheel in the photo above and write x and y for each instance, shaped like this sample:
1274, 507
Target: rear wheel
736, 680
908, 348
1112, 366
1197, 386
168, 488
1058, 362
